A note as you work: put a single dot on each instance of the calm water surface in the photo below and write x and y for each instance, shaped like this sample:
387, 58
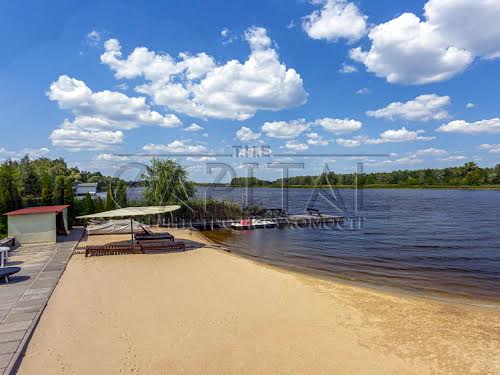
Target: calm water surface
435, 242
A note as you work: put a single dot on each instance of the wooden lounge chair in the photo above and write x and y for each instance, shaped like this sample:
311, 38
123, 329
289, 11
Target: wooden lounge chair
151, 246
153, 236
110, 250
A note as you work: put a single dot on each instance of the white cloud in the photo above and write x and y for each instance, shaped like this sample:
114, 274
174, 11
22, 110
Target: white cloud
470, 105
175, 147
479, 127
202, 158
348, 142
74, 138
115, 109
93, 38
245, 134
422, 108
454, 33
337, 19
347, 69
388, 136
227, 36
363, 91
399, 135
491, 148
338, 126
98, 113
411, 160
33, 153
296, 146
193, 128
284, 129
431, 152
112, 157
314, 139
197, 86
454, 158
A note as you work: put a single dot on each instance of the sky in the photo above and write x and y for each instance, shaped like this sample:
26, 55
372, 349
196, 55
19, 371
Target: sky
391, 84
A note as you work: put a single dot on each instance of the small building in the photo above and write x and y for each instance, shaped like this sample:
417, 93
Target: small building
38, 224
82, 188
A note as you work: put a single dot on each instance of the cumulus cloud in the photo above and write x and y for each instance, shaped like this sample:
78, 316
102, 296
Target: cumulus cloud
491, 126
470, 105
285, 129
115, 109
338, 126
296, 146
93, 38
491, 148
97, 114
245, 134
199, 87
112, 157
453, 33
422, 108
388, 136
193, 128
454, 158
74, 138
337, 19
314, 139
347, 69
399, 135
348, 142
175, 147
431, 152
363, 91
18, 154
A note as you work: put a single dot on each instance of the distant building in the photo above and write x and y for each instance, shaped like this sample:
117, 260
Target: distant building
82, 188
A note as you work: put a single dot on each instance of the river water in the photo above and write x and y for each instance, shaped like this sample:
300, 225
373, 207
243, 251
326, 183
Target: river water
443, 243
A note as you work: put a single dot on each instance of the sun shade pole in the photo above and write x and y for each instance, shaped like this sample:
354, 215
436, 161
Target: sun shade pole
132, 230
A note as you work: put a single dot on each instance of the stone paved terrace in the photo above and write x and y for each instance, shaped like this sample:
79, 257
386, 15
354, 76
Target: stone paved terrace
24, 298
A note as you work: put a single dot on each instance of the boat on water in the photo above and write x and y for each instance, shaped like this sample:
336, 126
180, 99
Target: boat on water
254, 224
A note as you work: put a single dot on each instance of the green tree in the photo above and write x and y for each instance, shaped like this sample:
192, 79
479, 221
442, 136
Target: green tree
46, 187
10, 195
99, 205
70, 200
30, 179
58, 194
473, 178
121, 194
110, 201
87, 205
167, 182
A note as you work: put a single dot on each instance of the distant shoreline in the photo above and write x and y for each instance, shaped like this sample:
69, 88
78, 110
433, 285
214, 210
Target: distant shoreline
375, 186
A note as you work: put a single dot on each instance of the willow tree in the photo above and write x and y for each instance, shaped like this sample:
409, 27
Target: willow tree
167, 182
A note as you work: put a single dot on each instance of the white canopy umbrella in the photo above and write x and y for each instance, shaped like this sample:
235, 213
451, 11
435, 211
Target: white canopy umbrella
132, 212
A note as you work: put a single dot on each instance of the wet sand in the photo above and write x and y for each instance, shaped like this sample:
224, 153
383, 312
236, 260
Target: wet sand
209, 311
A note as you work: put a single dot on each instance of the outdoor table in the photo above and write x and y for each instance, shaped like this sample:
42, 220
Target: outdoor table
3, 255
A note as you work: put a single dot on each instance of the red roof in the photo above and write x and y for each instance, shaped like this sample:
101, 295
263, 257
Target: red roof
38, 210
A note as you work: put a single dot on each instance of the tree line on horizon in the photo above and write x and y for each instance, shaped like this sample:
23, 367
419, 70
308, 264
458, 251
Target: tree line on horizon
470, 174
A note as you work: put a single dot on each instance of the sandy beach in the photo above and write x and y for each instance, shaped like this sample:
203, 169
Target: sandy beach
212, 312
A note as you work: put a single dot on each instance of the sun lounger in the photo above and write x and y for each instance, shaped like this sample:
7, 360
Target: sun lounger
151, 246
6, 272
111, 250
153, 236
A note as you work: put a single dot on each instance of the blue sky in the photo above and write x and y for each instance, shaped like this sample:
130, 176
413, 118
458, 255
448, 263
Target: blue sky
414, 80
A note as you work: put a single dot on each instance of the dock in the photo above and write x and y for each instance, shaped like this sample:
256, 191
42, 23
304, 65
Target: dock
300, 220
